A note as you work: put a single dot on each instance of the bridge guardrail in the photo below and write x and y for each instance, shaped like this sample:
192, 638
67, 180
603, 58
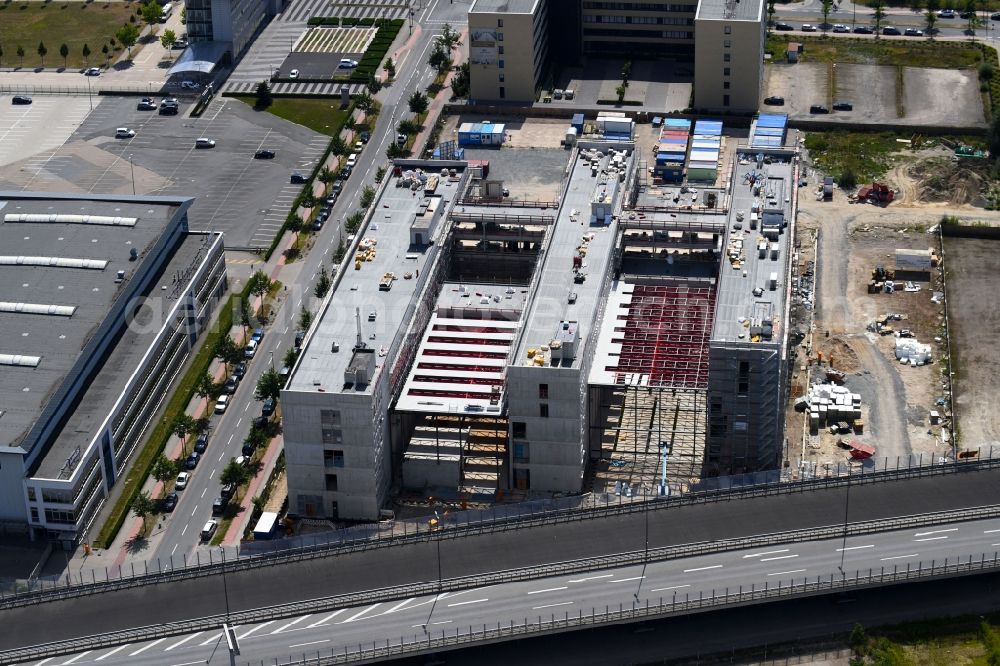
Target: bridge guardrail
570, 567
168, 571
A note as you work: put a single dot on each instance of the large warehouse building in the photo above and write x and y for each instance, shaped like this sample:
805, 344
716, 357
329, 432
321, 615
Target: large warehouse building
515, 44
104, 297
474, 346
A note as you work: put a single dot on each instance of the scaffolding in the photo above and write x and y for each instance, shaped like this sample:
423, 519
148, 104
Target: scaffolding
471, 448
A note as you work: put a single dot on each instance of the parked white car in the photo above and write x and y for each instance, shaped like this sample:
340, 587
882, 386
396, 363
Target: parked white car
124, 133
182, 480
221, 404
92, 71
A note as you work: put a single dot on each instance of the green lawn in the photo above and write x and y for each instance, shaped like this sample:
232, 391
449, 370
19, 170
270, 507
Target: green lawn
918, 53
74, 24
867, 155
320, 115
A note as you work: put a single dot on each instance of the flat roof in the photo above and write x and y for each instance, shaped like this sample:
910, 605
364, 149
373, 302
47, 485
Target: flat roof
59, 340
461, 363
105, 389
504, 6
571, 232
321, 369
734, 10
737, 304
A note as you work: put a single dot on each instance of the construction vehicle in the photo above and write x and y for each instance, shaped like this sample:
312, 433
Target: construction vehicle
880, 273
877, 193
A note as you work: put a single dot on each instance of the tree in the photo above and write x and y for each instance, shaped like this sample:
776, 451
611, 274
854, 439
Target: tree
396, 151
20, 55
993, 138
64, 52
770, 12
626, 72
182, 426
263, 95
168, 39
296, 223
418, 102
86, 54
228, 352
233, 473
107, 54
620, 91
847, 179
143, 507
205, 388
409, 126
460, 82
367, 196
878, 15
291, 355
373, 84
353, 221
325, 175
164, 469
128, 35
151, 13
379, 174
449, 37
973, 21
305, 318
390, 68
440, 58
269, 385
826, 6
323, 283
260, 284
365, 102
42, 51
930, 18
339, 147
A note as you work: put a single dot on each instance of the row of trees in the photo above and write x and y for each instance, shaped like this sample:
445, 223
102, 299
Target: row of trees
931, 8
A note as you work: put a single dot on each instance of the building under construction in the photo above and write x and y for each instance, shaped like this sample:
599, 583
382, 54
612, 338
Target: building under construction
628, 337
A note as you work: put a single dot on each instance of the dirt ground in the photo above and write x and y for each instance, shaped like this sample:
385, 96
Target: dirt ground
873, 90
974, 308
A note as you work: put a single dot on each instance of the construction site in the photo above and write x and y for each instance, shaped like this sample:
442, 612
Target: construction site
627, 337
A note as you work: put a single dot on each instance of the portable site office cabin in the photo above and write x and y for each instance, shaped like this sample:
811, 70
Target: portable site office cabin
706, 146
481, 134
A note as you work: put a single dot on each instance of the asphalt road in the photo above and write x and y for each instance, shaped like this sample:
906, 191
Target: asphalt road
414, 562
180, 538
518, 603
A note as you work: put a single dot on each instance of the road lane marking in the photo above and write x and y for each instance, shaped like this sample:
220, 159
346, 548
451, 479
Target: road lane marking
672, 587
932, 538
215, 637
189, 663
195, 510
420, 626
181, 642
203, 493
293, 622
583, 580
780, 557
769, 552
714, 566
174, 549
841, 550
564, 603
465, 603
332, 615
146, 647
102, 657
250, 631
398, 606
548, 589
899, 557
359, 614
951, 529
82, 654
990, 531
785, 573
185, 529
48, 659
298, 645
626, 580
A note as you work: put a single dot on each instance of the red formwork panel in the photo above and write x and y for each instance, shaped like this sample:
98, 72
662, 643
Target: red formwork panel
664, 335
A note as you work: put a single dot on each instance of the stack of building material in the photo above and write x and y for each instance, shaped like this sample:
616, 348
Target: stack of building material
911, 352
768, 130
706, 146
672, 150
830, 403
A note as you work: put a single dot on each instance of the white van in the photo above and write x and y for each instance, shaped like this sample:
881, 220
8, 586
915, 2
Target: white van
352, 159
250, 350
168, 9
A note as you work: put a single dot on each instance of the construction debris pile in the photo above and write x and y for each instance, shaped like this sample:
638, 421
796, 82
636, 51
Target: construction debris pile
832, 406
910, 352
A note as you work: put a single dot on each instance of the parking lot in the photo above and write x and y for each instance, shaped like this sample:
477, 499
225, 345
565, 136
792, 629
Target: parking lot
43, 125
243, 197
874, 91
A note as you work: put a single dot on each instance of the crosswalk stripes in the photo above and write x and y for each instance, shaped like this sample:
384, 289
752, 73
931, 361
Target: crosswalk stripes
304, 10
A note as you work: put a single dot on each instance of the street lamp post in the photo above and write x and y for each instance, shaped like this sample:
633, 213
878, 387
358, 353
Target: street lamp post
131, 168
847, 508
440, 584
225, 587
90, 96
645, 554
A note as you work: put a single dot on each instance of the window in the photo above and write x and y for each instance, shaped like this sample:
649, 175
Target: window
57, 516
725, 85
743, 377
499, 23
499, 36
543, 411
331, 481
725, 71
503, 92
726, 57
522, 452
333, 458
522, 478
543, 391
329, 416
332, 436
500, 50
31, 493
727, 43
728, 29
725, 100
501, 77
519, 429
34, 515
500, 63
